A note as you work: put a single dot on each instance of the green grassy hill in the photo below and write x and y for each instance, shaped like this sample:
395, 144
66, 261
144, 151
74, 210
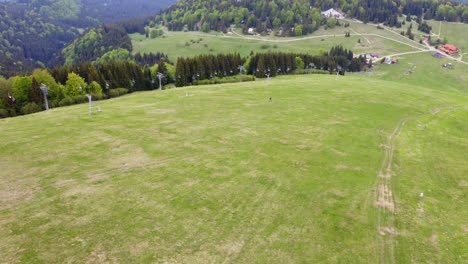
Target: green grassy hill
329, 171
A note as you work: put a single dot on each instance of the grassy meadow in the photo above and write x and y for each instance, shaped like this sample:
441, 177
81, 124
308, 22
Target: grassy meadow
427, 71
225, 176
388, 42
174, 43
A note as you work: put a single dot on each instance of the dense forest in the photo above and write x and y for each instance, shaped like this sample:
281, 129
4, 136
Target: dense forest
273, 14
28, 40
96, 42
83, 13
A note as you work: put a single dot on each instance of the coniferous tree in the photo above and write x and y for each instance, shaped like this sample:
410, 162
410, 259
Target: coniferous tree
36, 95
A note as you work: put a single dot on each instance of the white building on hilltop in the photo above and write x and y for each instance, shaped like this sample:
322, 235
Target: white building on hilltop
332, 13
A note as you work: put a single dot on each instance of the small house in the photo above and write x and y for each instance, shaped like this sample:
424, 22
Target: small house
250, 31
332, 13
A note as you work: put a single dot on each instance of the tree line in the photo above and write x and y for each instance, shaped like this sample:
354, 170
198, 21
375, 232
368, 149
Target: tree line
204, 67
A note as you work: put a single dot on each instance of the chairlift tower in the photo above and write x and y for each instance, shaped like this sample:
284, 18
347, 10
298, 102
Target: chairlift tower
241, 69
45, 89
160, 76
90, 103
311, 66
338, 70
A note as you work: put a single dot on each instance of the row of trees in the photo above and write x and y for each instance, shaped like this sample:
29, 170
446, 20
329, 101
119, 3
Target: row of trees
338, 59
204, 67
273, 14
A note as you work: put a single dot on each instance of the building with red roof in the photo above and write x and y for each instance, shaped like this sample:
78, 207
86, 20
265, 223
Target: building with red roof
449, 49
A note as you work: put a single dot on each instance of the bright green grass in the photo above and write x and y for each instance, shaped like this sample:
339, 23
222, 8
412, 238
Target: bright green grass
433, 161
225, 176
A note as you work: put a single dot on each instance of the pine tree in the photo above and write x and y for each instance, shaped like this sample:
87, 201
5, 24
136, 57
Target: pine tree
36, 95
180, 72
163, 69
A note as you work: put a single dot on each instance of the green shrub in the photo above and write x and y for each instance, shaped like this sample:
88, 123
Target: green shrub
315, 71
228, 79
54, 103
265, 46
30, 108
66, 101
79, 99
98, 97
117, 92
3, 113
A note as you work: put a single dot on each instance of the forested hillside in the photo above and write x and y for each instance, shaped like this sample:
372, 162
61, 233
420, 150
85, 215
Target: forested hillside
28, 40
96, 42
89, 12
264, 14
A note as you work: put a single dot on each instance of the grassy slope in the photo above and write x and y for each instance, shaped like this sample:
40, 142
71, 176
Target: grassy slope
428, 71
223, 175
432, 161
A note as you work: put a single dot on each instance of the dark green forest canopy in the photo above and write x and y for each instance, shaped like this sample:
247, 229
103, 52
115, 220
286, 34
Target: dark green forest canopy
28, 40
90, 12
262, 14
96, 42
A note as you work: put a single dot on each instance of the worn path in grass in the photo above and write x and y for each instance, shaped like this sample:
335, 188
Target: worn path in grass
384, 191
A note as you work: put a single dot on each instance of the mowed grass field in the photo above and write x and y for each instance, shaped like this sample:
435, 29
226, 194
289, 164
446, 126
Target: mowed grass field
225, 176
